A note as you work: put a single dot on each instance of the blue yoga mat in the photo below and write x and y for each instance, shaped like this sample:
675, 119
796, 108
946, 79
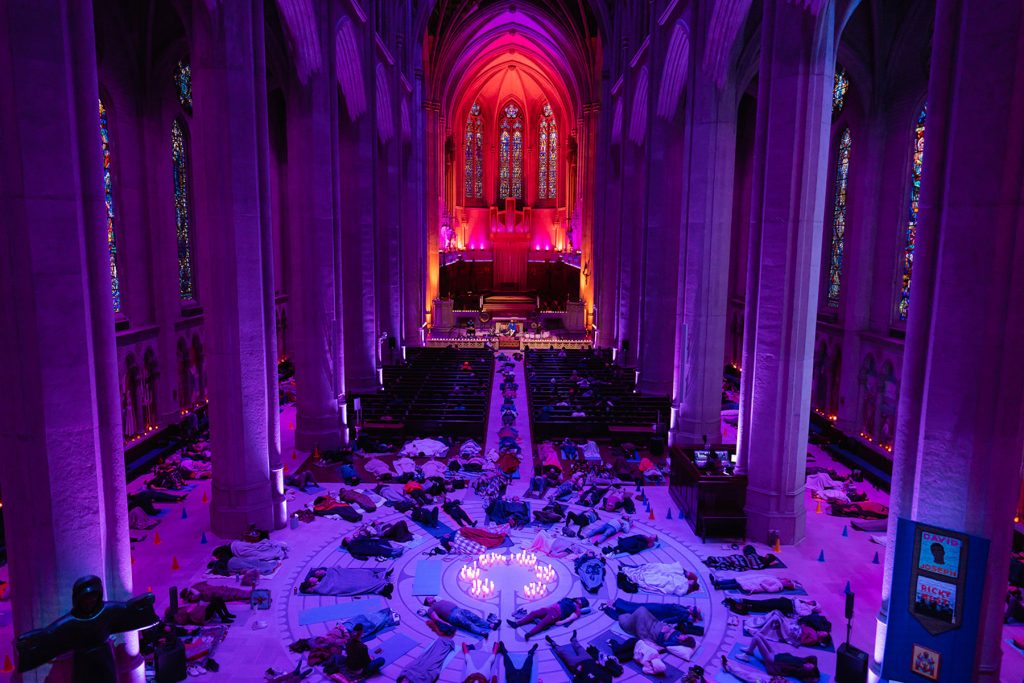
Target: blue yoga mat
756, 663
341, 610
519, 658
393, 648
427, 579
437, 532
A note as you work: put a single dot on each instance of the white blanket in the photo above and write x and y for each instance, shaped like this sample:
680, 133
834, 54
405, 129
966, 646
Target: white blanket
660, 577
429, 447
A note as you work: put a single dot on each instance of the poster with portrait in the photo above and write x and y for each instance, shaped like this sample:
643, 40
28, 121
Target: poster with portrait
935, 599
939, 553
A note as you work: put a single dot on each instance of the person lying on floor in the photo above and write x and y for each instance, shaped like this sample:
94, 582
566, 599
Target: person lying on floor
592, 496
683, 617
631, 545
554, 546
781, 663
426, 516
814, 630
669, 578
514, 674
199, 614
485, 671
617, 499
144, 500
347, 581
864, 510
454, 509
552, 513
372, 622
599, 532
749, 675
648, 655
470, 540
354, 497
226, 562
300, 480
756, 583
741, 562
562, 613
399, 531
329, 506
580, 663
644, 625
446, 613
365, 547
582, 520
207, 592
800, 607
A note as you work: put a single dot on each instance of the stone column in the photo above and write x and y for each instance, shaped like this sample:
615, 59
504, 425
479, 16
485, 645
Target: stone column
61, 456
710, 149
959, 431
790, 151
434, 136
229, 210
310, 126
607, 224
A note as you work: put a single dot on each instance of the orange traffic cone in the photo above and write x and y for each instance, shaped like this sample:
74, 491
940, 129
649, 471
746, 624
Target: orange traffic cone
778, 546
8, 665
156, 538
286, 469
174, 564
295, 456
818, 509
650, 515
149, 589
291, 425
206, 497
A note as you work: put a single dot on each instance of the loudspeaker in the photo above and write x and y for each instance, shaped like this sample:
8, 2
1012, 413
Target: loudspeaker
170, 662
625, 346
851, 664
391, 343
849, 605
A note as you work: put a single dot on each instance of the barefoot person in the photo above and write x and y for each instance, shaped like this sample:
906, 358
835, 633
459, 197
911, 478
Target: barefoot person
563, 613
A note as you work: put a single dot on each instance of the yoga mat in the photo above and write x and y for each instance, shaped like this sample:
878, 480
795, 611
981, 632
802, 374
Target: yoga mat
519, 658
341, 610
393, 648
440, 531
741, 594
756, 663
427, 578
748, 632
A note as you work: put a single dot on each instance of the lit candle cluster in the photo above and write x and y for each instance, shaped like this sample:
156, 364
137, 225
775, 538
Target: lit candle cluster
524, 559
545, 573
481, 588
488, 560
534, 590
469, 572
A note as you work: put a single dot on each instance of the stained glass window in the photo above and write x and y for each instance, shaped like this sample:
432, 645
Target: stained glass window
183, 84
839, 87
547, 182
910, 236
474, 155
510, 154
108, 194
835, 265
179, 157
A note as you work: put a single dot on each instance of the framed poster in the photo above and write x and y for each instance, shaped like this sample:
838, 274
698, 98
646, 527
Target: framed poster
938, 578
925, 662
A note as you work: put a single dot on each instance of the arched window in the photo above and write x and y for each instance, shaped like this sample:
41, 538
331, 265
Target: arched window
179, 158
839, 87
108, 195
548, 177
510, 154
183, 84
474, 144
910, 236
835, 264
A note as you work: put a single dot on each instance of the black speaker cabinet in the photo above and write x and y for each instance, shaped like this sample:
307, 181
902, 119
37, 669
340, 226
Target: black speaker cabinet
851, 664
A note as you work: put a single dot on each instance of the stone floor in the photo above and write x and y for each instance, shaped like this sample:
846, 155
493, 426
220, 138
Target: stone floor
259, 640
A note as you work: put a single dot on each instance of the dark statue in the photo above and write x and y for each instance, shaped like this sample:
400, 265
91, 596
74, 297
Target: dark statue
85, 631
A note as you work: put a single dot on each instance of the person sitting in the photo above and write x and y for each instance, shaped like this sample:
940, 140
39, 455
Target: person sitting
781, 663
447, 613
631, 545
562, 613
357, 655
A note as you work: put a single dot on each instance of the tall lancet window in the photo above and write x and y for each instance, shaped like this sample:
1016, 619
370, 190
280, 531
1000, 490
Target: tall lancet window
510, 154
183, 84
108, 195
840, 84
474, 143
835, 264
179, 159
910, 235
547, 182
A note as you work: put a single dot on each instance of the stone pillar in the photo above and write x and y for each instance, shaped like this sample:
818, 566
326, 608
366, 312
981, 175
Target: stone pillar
661, 237
311, 123
607, 224
959, 431
61, 457
434, 183
229, 210
790, 150
710, 149
586, 202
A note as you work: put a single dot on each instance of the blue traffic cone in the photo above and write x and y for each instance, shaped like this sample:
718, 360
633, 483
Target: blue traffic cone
681, 515
821, 555
846, 531
875, 561
202, 539
847, 589
184, 513
668, 515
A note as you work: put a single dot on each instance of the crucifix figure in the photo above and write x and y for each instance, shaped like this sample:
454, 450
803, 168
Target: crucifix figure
85, 631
